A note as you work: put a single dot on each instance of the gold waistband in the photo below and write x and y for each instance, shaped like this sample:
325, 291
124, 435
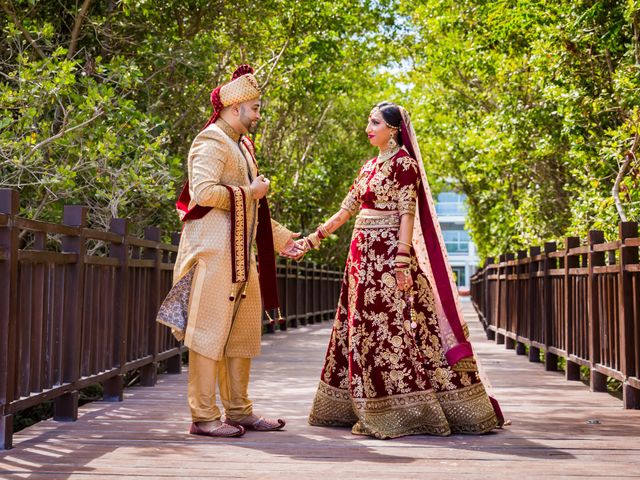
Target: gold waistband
378, 220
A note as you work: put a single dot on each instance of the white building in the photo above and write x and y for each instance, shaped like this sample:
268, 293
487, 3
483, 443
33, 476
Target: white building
452, 212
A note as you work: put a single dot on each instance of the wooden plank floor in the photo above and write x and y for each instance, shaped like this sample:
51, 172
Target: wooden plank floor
145, 436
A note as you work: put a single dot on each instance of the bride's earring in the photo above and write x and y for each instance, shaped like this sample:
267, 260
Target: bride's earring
392, 142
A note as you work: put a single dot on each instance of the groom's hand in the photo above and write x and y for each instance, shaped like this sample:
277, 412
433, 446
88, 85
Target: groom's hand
259, 187
293, 249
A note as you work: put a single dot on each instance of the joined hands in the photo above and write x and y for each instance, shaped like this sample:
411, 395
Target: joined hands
294, 249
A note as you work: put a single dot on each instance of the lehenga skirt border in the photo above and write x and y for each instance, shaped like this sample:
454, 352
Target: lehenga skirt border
332, 407
387, 417
468, 409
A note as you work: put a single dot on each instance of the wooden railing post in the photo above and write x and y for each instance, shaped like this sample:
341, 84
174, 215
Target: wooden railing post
292, 294
535, 312
65, 407
485, 295
511, 309
113, 388
309, 294
315, 293
598, 381
550, 360
500, 305
522, 270
9, 245
327, 285
322, 288
149, 373
488, 302
626, 299
283, 290
301, 280
572, 371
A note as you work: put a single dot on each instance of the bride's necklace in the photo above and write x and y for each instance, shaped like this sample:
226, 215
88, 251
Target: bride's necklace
387, 154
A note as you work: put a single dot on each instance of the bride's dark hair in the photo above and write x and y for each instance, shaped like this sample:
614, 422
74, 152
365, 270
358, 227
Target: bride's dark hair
391, 114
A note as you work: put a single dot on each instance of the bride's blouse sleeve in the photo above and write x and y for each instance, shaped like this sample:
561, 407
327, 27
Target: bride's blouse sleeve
408, 180
351, 202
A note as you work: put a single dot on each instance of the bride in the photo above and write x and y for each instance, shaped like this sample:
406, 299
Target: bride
399, 361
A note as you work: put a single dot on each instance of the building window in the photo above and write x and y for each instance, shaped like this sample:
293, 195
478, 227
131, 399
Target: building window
451, 203
460, 275
456, 241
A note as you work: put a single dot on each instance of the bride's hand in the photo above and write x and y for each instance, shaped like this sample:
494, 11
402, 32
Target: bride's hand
404, 281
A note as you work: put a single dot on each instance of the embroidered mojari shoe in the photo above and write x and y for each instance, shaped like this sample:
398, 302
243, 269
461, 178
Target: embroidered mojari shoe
259, 424
225, 430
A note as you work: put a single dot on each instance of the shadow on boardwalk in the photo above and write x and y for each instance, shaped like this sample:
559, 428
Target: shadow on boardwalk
144, 437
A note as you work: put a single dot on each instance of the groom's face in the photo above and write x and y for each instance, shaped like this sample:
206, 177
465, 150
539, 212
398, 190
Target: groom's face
250, 115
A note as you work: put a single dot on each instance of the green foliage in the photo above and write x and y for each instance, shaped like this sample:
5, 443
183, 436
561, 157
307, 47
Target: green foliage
106, 118
530, 107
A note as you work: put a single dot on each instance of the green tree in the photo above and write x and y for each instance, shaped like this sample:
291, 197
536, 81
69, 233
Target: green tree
530, 107
100, 102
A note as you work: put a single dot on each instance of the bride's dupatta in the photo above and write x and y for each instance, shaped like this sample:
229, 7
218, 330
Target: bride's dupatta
431, 254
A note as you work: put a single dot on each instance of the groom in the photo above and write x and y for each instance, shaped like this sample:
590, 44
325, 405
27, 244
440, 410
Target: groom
217, 300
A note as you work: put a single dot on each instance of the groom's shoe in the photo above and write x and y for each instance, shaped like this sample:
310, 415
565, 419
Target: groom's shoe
224, 430
259, 424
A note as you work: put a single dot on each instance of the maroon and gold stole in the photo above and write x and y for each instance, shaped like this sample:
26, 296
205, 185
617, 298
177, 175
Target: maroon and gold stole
264, 241
239, 243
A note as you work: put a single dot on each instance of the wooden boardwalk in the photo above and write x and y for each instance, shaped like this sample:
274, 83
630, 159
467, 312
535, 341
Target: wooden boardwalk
559, 430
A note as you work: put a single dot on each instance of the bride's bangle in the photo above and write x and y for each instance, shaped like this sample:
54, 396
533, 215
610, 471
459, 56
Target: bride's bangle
312, 240
322, 232
402, 258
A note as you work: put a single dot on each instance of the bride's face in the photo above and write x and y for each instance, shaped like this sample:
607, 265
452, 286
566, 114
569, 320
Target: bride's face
377, 130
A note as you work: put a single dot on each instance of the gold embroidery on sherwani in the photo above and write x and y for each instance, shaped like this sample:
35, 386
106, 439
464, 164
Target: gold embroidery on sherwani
228, 129
240, 240
217, 326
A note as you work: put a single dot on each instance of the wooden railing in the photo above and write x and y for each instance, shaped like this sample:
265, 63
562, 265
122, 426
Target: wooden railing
81, 311
581, 303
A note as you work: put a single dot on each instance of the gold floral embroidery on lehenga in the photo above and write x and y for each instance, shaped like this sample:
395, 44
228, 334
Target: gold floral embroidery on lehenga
382, 377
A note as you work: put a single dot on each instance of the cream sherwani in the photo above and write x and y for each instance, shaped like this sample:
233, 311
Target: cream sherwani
216, 326
222, 335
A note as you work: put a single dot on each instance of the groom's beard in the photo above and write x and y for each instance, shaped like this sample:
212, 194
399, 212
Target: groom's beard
250, 125
253, 126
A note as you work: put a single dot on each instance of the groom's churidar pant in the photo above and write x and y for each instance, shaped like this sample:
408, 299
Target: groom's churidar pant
232, 376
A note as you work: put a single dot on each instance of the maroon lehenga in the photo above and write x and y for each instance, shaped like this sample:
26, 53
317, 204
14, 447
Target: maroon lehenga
386, 373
